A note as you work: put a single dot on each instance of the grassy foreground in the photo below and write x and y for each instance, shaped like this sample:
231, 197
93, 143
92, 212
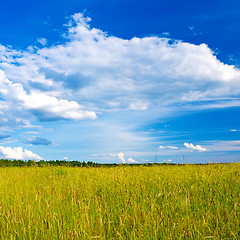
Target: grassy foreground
157, 202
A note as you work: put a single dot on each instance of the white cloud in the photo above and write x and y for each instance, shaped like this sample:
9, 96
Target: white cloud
26, 124
167, 147
42, 41
166, 34
107, 156
32, 132
43, 106
234, 130
197, 147
18, 153
138, 106
121, 157
223, 146
171, 147
48, 108
95, 72
130, 160
97, 68
94, 155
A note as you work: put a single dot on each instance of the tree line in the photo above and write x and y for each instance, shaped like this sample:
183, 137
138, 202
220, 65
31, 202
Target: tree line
43, 163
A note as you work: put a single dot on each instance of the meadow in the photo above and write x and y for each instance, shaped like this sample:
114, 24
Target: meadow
123, 202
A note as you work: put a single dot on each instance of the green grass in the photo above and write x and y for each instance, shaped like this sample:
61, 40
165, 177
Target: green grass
157, 202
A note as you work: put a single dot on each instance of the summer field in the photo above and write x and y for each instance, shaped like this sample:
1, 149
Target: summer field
123, 202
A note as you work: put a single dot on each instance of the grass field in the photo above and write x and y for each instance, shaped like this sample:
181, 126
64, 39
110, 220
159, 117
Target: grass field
140, 202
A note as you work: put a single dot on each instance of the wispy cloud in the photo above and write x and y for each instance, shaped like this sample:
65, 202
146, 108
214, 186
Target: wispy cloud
38, 141
223, 146
3, 136
42, 41
167, 147
234, 130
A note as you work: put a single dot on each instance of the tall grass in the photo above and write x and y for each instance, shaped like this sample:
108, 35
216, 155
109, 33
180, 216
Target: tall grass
157, 202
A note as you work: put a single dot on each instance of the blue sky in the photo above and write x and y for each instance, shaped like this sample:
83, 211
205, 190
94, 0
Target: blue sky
120, 81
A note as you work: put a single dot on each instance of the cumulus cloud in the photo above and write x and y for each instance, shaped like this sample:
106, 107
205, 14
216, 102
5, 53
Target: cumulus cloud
48, 108
196, 147
18, 153
96, 68
167, 147
91, 71
121, 157
129, 160
44, 107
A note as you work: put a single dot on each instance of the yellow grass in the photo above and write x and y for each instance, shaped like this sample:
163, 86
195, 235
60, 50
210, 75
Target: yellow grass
140, 202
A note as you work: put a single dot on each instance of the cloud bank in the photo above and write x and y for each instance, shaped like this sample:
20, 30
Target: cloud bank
104, 72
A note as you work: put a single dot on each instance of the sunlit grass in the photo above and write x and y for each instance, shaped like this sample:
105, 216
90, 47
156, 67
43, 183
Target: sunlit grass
157, 202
